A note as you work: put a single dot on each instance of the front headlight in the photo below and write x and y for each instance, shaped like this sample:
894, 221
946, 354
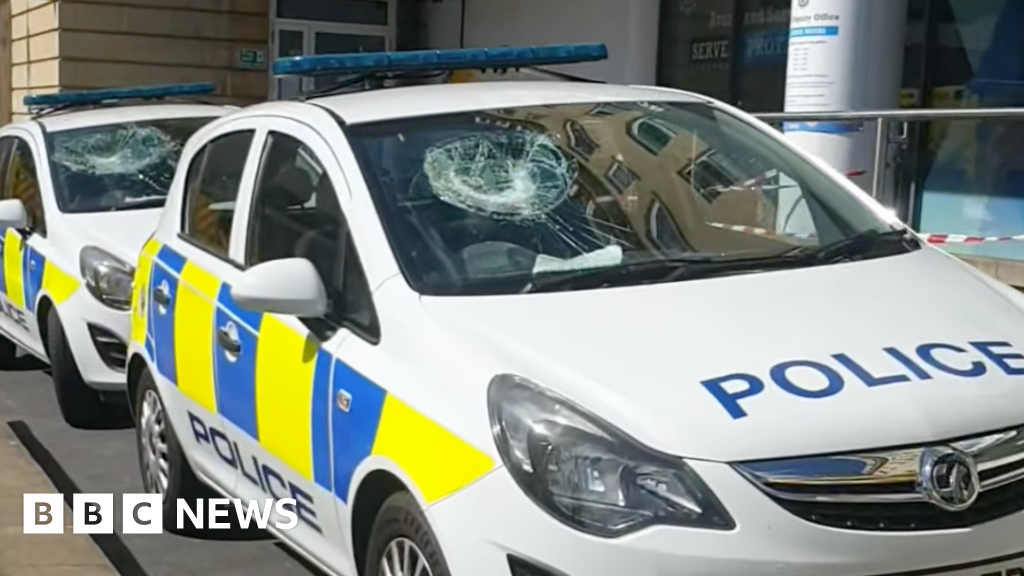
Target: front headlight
589, 475
107, 277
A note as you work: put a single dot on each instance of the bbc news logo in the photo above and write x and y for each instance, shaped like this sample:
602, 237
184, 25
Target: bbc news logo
143, 513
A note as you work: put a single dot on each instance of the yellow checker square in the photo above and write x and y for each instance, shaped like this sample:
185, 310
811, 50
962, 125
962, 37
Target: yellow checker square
285, 361
151, 248
437, 461
58, 284
139, 290
193, 336
12, 268
200, 280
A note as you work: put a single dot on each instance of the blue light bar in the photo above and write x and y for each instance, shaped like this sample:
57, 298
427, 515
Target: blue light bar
87, 97
439, 60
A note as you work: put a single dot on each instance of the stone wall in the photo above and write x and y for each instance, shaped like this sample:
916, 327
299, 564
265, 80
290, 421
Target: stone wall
35, 63
89, 44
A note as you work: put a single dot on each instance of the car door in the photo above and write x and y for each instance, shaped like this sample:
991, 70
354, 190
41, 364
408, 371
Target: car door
191, 271
12, 317
23, 250
295, 213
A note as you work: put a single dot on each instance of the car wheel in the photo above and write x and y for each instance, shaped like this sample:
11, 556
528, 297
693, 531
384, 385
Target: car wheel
402, 543
80, 405
165, 470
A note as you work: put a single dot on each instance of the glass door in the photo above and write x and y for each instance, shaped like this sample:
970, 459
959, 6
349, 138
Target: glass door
337, 42
289, 40
299, 39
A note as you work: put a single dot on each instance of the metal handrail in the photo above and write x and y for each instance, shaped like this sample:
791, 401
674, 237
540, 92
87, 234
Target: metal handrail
882, 119
908, 115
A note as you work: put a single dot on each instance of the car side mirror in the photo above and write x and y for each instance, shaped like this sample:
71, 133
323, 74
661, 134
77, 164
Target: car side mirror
289, 286
13, 214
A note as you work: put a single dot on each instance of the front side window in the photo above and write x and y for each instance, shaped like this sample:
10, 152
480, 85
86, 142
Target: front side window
22, 183
296, 214
211, 190
494, 202
125, 166
295, 210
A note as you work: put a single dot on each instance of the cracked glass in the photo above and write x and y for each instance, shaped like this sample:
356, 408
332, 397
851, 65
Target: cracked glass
122, 166
488, 202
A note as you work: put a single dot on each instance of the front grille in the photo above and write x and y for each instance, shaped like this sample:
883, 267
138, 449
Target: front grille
112, 350
883, 491
910, 516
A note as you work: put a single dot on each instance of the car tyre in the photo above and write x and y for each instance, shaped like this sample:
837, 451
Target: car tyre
401, 534
164, 467
80, 405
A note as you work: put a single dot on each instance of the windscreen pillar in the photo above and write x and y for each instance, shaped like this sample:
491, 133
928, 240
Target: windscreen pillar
844, 55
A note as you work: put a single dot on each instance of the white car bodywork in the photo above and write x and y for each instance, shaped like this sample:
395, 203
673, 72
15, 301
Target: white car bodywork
660, 367
55, 278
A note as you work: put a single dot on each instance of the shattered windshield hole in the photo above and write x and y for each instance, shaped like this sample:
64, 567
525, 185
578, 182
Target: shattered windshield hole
522, 178
519, 176
121, 166
129, 149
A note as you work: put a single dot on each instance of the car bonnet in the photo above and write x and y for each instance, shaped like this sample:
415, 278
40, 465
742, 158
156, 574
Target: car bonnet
877, 353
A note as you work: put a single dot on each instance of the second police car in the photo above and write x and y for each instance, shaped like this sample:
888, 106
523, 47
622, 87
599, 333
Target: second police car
558, 328
84, 180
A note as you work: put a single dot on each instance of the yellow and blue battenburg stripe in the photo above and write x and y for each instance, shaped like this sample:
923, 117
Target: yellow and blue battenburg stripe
140, 291
25, 274
280, 388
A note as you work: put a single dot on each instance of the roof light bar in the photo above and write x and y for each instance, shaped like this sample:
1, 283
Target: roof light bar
87, 97
439, 60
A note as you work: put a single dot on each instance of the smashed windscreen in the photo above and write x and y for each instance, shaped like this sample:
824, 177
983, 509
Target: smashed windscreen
490, 202
118, 166
517, 176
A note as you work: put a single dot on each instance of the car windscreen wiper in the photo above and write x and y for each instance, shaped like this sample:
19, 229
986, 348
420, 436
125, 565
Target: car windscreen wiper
869, 243
680, 267
590, 277
694, 266
141, 203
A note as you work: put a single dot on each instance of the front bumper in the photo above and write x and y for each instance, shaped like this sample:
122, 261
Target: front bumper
98, 337
482, 526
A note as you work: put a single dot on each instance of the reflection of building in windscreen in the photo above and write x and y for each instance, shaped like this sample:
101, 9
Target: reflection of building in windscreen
644, 180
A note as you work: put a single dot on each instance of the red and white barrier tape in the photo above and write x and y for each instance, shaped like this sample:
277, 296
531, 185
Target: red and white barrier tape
929, 238
759, 231
964, 239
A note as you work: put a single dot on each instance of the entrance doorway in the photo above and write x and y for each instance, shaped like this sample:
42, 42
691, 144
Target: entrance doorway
307, 27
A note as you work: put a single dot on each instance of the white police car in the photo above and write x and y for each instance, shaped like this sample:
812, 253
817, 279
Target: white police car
83, 182
564, 328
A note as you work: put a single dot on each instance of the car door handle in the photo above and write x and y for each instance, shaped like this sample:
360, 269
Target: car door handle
161, 297
228, 341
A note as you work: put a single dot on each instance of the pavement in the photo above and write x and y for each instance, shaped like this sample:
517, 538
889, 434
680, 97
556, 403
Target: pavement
66, 554
40, 453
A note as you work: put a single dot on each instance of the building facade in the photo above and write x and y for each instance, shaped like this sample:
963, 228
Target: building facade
962, 177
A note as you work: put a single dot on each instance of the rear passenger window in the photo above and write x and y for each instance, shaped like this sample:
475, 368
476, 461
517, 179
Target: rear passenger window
295, 213
211, 190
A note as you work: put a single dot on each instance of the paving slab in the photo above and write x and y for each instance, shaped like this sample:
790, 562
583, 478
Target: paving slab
66, 554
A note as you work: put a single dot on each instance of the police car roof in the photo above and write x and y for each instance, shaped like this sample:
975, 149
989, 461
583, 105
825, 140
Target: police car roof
411, 101
89, 117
